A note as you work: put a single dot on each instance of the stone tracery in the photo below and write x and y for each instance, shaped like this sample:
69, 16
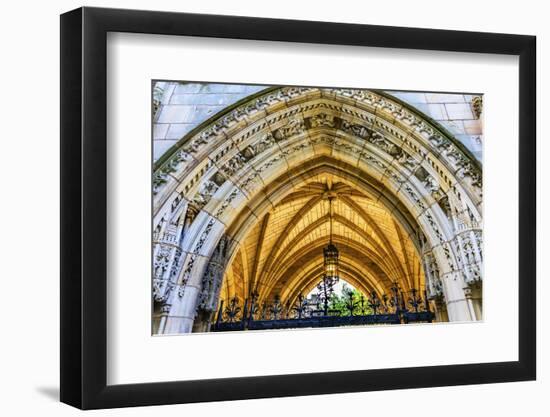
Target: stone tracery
216, 189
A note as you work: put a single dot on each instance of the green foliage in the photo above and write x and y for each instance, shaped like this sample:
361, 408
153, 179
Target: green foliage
349, 300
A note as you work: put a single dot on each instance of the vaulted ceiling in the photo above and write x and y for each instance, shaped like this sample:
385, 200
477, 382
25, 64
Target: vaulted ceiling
283, 253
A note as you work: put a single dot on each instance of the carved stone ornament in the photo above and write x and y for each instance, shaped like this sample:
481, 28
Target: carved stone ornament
212, 278
431, 185
435, 286
292, 128
205, 193
477, 106
322, 120
354, 129
265, 142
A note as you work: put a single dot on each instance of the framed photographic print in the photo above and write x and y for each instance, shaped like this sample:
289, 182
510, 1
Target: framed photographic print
256, 208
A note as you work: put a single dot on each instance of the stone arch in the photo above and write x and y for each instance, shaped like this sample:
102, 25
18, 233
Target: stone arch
223, 178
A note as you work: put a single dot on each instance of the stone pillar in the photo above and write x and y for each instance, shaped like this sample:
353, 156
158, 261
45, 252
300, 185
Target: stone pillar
468, 295
473, 294
198, 292
185, 296
182, 312
202, 322
458, 306
164, 310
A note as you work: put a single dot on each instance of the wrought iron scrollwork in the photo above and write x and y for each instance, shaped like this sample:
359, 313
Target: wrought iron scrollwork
276, 309
374, 303
232, 311
326, 290
301, 308
394, 308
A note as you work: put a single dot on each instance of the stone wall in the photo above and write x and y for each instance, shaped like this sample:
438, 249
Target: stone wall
455, 112
183, 106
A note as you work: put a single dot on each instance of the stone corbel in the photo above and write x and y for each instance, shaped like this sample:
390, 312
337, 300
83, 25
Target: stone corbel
477, 106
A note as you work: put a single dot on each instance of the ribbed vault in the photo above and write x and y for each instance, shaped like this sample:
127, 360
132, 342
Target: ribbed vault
284, 248
281, 253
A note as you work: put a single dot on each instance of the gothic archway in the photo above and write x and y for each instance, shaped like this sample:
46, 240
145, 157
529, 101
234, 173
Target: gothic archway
408, 204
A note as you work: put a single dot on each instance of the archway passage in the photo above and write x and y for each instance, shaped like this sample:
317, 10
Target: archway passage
281, 258
283, 253
242, 210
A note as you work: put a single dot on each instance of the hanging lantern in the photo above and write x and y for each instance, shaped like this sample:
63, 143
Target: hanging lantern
330, 253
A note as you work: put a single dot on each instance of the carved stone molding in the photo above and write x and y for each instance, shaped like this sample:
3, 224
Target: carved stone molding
427, 133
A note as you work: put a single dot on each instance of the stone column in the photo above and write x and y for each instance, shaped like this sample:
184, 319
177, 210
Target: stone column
182, 311
473, 293
202, 321
164, 310
468, 295
185, 296
458, 306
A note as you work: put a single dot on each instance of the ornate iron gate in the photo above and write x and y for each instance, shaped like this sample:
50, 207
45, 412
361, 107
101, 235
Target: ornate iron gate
395, 309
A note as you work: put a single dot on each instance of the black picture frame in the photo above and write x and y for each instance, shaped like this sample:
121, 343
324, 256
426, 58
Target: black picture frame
84, 207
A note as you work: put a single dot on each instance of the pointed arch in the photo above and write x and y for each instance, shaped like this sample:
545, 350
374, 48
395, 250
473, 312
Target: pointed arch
262, 155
